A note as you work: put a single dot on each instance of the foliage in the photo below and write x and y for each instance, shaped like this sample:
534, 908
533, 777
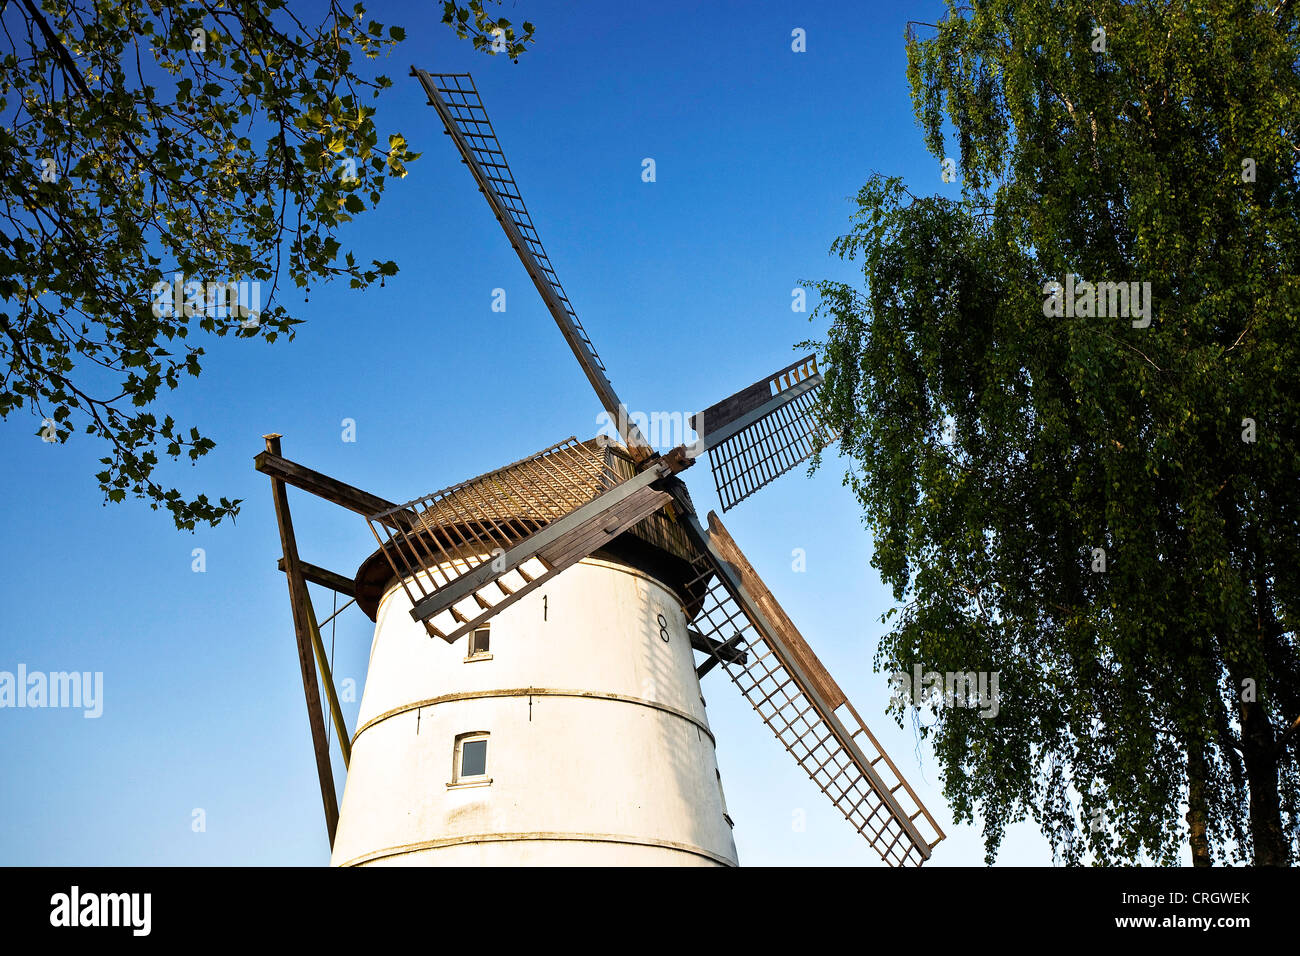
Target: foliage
1147, 704
491, 36
146, 139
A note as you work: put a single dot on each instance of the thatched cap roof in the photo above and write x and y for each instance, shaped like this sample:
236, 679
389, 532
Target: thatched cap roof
520, 498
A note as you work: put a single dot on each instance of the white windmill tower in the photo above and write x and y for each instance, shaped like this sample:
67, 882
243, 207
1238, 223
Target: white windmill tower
556, 715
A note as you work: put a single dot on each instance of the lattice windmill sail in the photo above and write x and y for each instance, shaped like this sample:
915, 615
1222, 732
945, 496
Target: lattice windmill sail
761, 432
527, 521
801, 703
587, 562
458, 104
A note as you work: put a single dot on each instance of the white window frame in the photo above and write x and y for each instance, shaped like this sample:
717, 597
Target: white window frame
472, 654
457, 754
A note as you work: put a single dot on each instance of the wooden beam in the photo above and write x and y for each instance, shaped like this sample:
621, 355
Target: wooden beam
325, 578
299, 599
336, 712
272, 465
728, 650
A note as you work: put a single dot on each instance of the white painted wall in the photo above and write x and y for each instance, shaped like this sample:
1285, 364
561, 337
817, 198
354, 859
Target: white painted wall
607, 761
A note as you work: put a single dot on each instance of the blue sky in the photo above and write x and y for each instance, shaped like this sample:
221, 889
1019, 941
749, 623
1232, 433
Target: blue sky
684, 285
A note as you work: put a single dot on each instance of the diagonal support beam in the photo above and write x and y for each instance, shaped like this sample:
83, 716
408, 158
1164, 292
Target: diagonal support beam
271, 464
336, 712
301, 601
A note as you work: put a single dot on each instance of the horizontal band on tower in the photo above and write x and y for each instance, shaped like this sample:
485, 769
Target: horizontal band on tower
533, 692
540, 836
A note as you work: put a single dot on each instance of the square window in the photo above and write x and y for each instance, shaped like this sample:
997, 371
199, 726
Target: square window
478, 641
472, 758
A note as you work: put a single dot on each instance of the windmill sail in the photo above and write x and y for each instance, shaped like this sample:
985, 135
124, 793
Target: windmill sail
459, 105
477, 547
763, 431
801, 703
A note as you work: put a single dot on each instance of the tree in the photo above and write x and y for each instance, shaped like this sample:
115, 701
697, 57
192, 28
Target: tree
164, 165
1100, 507
488, 35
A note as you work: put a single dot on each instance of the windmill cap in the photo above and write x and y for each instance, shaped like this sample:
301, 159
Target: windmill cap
656, 546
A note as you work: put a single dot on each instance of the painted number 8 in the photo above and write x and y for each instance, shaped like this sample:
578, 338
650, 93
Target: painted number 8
663, 629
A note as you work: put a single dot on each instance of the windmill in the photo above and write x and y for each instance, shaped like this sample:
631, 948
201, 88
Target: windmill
537, 630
